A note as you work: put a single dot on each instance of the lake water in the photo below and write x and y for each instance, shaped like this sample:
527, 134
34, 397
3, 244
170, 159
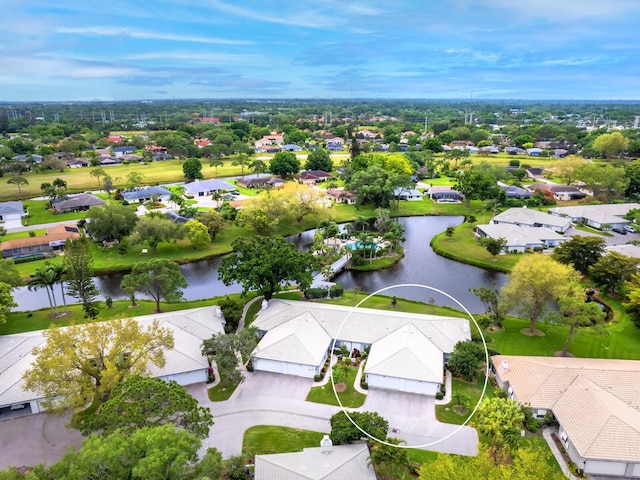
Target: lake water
421, 265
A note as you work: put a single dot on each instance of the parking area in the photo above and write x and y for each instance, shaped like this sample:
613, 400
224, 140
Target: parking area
36, 439
274, 385
614, 239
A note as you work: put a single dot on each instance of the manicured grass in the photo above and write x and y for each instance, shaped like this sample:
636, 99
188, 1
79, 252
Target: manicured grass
584, 228
420, 457
537, 442
380, 263
253, 310
222, 391
349, 398
472, 391
13, 236
39, 213
463, 247
267, 439
39, 319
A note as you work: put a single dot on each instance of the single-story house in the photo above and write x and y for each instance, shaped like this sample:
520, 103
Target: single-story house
74, 203
410, 194
342, 196
560, 153
34, 157
320, 463
52, 241
204, 188
526, 217
559, 192
407, 351
520, 239
184, 363
313, 177
78, 163
628, 250
108, 161
534, 152
515, 151
131, 158
597, 216
490, 149
291, 147
444, 194
535, 173
119, 151
259, 181
145, 194
11, 214
512, 191
595, 401
335, 144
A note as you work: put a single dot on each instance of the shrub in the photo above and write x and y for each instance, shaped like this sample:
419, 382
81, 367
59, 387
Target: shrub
249, 366
232, 312
312, 293
465, 360
317, 378
439, 396
336, 290
483, 321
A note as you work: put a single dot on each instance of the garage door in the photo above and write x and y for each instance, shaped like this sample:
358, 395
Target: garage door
595, 467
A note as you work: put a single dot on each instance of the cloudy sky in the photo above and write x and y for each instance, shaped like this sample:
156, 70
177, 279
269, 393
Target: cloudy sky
163, 49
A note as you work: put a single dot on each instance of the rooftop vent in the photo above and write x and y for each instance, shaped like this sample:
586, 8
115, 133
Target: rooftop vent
326, 445
505, 366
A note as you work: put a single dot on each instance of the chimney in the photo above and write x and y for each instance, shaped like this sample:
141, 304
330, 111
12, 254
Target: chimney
505, 366
326, 445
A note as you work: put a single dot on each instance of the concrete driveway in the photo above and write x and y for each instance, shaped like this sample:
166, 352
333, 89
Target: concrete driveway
32, 439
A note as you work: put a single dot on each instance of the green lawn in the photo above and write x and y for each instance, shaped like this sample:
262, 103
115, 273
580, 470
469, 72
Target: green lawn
222, 391
349, 398
471, 391
13, 236
267, 439
584, 228
39, 213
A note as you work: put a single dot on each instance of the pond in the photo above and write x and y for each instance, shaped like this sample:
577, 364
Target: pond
421, 265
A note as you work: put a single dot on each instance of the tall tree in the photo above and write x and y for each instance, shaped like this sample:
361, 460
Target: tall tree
284, 164
501, 421
112, 221
138, 402
192, 169
476, 184
303, 200
567, 168
613, 269
225, 349
6, 301
98, 173
611, 144
494, 246
18, 181
154, 230
258, 166
45, 278
575, 312
79, 265
266, 264
490, 298
159, 278
215, 163
535, 281
9, 274
214, 221
241, 160
581, 252
197, 233
134, 179
80, 363
343, 431
319, 160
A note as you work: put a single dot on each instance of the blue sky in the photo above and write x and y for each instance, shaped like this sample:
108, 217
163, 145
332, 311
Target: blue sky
163, 49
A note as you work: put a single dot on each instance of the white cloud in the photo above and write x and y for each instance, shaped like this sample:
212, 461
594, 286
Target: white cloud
308, 19
108, 31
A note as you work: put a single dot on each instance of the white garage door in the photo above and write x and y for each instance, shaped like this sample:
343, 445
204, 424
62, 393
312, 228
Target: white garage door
596, 467
285, 368
188, 378
402, 385
635, 472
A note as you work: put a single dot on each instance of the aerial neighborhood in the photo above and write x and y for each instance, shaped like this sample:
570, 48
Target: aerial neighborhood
247, 291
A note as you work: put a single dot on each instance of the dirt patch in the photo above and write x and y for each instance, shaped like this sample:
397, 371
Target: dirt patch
460, 409
559, 354
493, 329
340, 387
535, 333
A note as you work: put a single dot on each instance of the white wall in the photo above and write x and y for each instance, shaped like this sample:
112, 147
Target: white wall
401, 384
599, 467
286, 368
188, 378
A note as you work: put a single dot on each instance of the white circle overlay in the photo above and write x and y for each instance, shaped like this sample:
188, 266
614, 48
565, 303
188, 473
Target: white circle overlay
486, 376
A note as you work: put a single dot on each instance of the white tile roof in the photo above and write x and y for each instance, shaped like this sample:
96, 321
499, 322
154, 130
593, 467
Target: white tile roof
189, 327
406, 353
344, 462
597, 401
628, 250
610, 213
527, 216
520, 236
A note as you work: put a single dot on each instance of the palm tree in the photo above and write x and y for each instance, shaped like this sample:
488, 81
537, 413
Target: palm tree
44, 277
59, 270
216, 196
216, 162
18, 181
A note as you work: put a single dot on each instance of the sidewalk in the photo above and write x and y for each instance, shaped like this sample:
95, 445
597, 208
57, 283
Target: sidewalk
448, 388
546, 434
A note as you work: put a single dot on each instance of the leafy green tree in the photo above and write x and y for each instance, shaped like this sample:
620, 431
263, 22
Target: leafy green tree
18, 181
197, 233
576, 312
343, 431
266, 264
159, 278
612, 270
501, 421
373, 185
389, 462
457, 154
192, 169
257, 220
98, 173
81, 363
45, 277
241, 160
134, 179
567, 168
490, 298
9, 274
494, 245
284, 164
581, 252
214, 221
215, 163
225, 350
535, 281
611, 144
605, 180
632, 300
78, 262
432, 144
476, 184
319, 160
138, 402
465, 360
258, 166
154, 230
112, 221
6, 301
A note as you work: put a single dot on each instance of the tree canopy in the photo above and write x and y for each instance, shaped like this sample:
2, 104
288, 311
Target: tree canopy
112, 221
192, 169
78, 363
343, 431
319, 160
153, 230
500, 420
612, 270
6, 301
79, 266
225, 349
139, 402
266, 264
284, 164
159, 278
581, 252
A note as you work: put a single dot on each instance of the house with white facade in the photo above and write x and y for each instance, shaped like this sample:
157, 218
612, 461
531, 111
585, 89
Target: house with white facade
596, 403
407, 350
409, 194
520, 239
526, 217
597, 216
205, 188
11, 214
184, 363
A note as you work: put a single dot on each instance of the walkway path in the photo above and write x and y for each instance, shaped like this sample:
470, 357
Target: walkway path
447, 392
546, 433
